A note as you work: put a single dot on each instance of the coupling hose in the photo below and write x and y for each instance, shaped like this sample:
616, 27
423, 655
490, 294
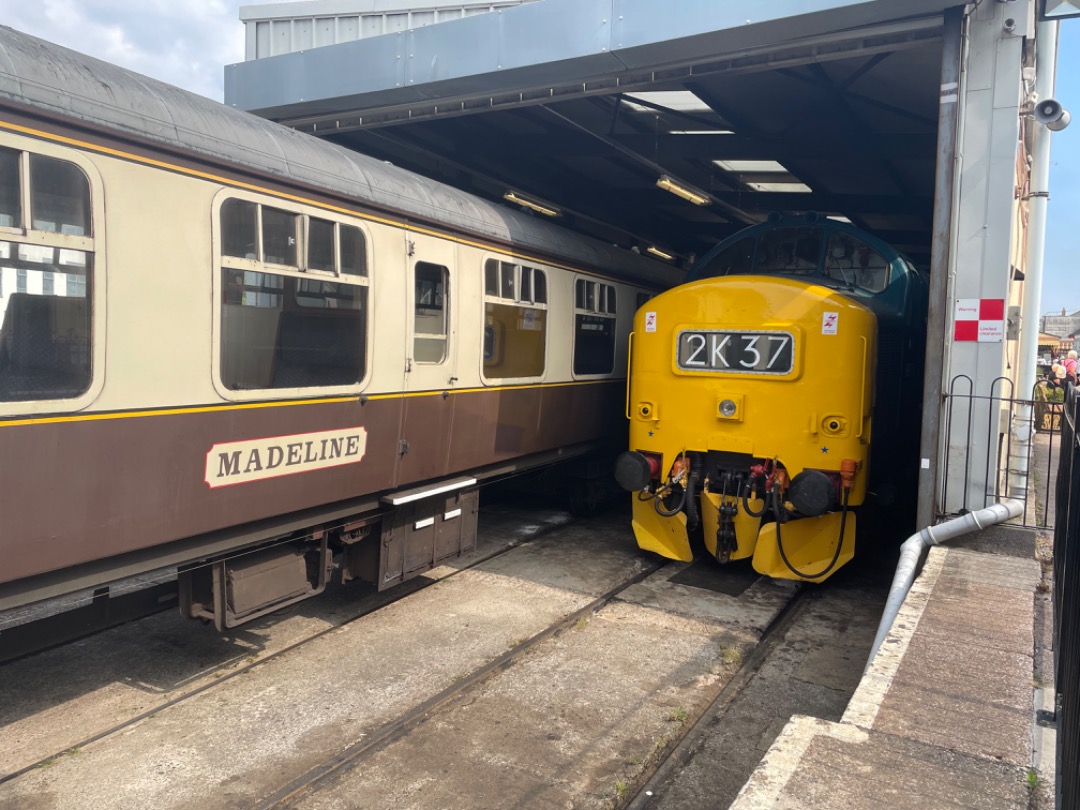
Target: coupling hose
778, 506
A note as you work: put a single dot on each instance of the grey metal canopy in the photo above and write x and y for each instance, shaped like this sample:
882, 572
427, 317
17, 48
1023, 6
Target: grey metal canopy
826, 105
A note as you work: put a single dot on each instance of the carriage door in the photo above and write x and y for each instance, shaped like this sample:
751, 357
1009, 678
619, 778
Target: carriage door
431, 357
431, 519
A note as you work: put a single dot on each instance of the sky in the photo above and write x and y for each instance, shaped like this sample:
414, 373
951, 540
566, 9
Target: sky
188, 42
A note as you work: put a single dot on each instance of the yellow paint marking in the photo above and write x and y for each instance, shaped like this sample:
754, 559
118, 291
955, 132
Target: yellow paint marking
88, 417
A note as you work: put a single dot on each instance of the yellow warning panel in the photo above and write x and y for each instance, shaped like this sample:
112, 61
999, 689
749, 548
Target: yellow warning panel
809, 545
665, 536
746, 527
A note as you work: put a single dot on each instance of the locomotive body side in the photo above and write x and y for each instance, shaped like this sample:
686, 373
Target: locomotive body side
770, 395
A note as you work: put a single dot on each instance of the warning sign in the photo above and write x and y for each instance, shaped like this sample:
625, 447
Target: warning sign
979, 320
650, 321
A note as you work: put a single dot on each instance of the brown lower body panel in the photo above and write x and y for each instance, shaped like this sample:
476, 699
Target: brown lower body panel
77, 491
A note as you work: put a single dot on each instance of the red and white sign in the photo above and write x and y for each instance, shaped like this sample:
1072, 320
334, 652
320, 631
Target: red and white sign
829, 322
650, 321
979, 320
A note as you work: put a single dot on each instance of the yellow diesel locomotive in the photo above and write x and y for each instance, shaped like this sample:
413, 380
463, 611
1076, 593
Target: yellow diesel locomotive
773, 394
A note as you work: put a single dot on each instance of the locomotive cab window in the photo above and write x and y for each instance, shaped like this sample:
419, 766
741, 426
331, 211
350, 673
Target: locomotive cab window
850, 260
46, 278
594, 327
736, 259
789, 251
515, 320
293, 312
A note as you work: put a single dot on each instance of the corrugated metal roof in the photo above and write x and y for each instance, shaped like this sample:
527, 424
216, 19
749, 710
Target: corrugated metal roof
536, 45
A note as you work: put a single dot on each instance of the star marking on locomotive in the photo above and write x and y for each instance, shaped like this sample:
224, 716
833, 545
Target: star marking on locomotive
824, 449
650, 434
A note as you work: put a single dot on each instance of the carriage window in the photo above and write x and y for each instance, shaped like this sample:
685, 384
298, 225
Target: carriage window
515, 320
594, 296
59, 197
10, 194
325, 237
45, 322
353, 251
792, 250
239, 229
282, 328
733, 260
430, 309
286, 332
539, 287
525, 292
45, 312
279, 236
320, 245
853, 262
491, 277
594, 327
507, 278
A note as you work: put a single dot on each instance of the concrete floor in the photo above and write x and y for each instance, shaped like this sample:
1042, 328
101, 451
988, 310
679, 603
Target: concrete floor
574, 722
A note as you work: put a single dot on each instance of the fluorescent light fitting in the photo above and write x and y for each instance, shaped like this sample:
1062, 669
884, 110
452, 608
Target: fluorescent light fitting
700, 132
679, 190
678, 100
655, 251
763, 166
538, 207
786, 188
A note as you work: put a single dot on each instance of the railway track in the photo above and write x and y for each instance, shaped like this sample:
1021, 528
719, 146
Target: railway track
353, 756
809, 662
233, 668
662, 767
674, 758
571, 670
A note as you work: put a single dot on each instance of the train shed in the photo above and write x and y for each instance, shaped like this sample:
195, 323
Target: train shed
665, 126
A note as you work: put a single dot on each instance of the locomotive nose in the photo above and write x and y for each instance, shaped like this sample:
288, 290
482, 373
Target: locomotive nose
633, 471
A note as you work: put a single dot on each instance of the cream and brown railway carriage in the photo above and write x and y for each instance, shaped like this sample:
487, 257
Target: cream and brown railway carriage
246, 352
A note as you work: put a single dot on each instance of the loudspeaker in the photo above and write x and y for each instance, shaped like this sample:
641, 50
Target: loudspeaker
1050, 112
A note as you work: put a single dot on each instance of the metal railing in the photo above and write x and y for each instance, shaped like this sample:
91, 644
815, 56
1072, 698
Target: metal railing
1067, 608
979, 431
981, 416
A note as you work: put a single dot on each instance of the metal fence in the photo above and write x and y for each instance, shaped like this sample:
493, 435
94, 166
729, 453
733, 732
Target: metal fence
1067, 609
988, 460
975, 480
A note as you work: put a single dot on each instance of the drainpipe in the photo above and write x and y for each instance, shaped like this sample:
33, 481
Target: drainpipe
1046, 37
911, 555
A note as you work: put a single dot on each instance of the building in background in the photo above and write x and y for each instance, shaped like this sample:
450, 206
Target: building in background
1061, 325
271, 29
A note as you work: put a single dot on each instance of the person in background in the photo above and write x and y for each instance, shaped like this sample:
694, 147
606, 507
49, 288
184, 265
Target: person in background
1056, 377
1070, 367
